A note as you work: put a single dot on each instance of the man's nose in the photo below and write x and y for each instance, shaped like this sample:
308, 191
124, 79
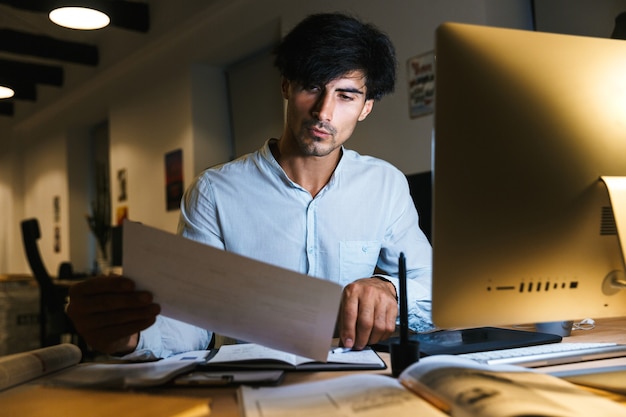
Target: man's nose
324, 107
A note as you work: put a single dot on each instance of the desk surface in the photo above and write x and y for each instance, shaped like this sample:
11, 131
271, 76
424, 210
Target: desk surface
29, 279
224, 400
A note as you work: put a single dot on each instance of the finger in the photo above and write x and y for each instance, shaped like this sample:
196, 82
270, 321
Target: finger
104, 331
118, 318
384, 323
365, 323
379, 327
348, 314
108, 302
115, 339
102, 284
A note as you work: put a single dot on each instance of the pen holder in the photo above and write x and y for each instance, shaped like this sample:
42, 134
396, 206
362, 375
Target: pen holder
403, 355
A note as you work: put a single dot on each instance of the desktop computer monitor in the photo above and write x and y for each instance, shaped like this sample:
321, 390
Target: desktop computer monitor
526, 124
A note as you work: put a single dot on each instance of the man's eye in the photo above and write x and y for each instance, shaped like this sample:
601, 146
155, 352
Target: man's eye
312, 88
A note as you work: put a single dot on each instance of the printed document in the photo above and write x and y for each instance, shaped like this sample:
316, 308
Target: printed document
232, 295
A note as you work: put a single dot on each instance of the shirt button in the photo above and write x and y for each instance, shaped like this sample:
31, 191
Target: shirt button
364, 249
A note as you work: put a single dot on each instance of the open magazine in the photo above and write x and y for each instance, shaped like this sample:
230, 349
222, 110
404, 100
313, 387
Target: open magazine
63, 360
436, 386
39, 398
60, 365
253, 356
18, 368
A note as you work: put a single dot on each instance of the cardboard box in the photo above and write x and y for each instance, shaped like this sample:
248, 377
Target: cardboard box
19, 316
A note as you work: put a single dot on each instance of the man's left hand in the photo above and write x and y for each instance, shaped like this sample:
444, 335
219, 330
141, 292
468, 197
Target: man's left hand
367, 313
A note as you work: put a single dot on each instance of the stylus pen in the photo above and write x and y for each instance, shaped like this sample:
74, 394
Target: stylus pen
404, 309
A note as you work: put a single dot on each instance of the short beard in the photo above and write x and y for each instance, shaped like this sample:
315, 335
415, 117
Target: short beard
308, 147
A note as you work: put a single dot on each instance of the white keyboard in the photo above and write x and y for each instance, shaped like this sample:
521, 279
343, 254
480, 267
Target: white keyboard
549, 354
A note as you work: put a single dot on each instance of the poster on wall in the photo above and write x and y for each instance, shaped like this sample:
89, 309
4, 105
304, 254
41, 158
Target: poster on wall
421, 77
121, 213
121, 185
174, 186
56, 215
57, 239
56, 208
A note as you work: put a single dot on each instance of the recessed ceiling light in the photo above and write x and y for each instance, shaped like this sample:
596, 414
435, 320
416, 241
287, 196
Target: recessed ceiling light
82, 18
6, 92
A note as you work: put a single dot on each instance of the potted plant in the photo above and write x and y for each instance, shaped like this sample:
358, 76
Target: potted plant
100, 219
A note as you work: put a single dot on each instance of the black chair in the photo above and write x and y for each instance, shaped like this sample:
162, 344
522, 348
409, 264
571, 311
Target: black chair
53, 322
421, 188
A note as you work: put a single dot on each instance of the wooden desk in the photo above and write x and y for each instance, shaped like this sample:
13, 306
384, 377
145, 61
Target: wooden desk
605, 330
224, 400
16, 277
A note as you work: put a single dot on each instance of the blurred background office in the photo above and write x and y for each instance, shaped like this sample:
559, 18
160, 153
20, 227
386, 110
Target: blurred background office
193, 88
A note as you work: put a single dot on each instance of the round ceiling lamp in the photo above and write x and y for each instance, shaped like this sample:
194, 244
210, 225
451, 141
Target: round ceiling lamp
82, 18
6, 92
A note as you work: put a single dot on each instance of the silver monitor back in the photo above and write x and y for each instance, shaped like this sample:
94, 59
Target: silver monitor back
525, 125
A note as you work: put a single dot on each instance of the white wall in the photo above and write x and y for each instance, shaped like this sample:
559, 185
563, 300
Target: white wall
45, 177
11, 209
139, 140
155, 104
212, 136
564, 16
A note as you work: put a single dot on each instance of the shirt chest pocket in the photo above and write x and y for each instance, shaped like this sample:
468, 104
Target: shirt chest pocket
357, 259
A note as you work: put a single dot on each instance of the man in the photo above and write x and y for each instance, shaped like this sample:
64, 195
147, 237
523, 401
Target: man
302, 202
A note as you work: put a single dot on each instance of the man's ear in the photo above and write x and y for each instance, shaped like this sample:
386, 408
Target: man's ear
367, 109
284, 86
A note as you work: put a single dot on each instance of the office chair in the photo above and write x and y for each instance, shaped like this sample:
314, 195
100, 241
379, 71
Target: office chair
53, 322
420, 185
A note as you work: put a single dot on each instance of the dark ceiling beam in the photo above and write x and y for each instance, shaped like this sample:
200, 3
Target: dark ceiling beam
42, 46
129, 15
22, 77
23, 90
33, 73
6, 108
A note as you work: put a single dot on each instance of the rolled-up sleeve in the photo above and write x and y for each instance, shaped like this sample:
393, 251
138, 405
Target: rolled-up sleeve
167, 337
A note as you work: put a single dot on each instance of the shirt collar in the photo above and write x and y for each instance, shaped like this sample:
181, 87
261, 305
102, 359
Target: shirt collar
266, 153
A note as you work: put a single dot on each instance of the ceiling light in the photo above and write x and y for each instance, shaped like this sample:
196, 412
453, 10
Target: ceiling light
79, 18
6, 92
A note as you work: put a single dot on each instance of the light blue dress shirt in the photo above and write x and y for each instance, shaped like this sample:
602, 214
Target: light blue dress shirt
363, 218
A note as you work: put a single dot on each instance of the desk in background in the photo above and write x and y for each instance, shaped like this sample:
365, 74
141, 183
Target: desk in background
605, 330
19, 313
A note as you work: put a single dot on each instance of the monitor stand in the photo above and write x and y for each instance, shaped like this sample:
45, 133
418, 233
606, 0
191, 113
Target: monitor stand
616, 186
480, 339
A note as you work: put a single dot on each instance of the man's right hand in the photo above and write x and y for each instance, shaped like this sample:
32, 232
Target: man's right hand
109, 313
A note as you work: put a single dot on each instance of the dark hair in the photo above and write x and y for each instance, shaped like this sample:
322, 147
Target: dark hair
326, 46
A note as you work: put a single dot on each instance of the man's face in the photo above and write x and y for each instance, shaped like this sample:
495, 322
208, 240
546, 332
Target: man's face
321, 118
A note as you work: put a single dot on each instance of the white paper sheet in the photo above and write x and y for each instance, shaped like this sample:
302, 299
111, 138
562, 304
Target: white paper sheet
357, 395
230, 294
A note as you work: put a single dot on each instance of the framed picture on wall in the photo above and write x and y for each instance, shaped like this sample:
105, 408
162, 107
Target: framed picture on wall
421, 77
174, 186
121, 213
121, 185
56, 208
57, 239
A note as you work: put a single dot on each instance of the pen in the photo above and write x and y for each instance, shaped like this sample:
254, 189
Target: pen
404, 314
341, 350
427, 394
